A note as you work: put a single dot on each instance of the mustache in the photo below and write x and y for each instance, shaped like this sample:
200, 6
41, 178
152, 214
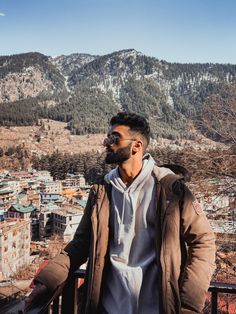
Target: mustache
109, 150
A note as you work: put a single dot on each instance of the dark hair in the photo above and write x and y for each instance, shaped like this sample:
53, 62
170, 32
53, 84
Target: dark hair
135, 122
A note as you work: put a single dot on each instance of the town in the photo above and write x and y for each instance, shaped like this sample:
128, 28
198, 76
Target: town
39, 215
33, 209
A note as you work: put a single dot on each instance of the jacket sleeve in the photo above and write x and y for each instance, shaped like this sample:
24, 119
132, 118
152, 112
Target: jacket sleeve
200, 265
73, 255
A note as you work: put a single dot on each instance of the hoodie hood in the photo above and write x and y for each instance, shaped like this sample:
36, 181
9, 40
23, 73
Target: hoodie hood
113, 177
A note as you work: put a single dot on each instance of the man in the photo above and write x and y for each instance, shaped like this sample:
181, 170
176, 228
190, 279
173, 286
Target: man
149, 246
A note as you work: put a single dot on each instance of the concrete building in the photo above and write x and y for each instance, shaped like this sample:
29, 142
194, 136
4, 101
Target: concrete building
22, 175
32, 184
53, 187
45, 220
14, 246
66, 221
25, 211
223, 226
34, 198
35, 226
51, 198
43, 176
45, 224
7, 196
13, 184
74, 181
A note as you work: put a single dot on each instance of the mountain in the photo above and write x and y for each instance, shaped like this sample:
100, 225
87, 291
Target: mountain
68, 64
85, 91
28, 75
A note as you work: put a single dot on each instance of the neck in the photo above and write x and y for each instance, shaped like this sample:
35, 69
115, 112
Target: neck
129, 170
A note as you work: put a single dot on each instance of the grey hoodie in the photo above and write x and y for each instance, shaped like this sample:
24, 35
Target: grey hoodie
131, 285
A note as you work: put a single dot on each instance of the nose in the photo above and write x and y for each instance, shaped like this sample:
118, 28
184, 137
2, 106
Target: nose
106, 142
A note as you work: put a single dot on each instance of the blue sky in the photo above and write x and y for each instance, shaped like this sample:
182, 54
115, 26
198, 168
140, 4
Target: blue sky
172, 30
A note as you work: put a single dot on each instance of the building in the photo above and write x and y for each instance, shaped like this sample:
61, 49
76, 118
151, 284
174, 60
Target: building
45, 224
74, 181
26, 211
223, 226
66, 221
46, 221
14, 246
13, 184
34, 198
32, 185
43, 176
21, 175
51, 198
53, 187
20, 211
7, 196
35, 226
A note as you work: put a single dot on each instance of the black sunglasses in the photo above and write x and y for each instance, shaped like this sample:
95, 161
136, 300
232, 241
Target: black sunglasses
115, 139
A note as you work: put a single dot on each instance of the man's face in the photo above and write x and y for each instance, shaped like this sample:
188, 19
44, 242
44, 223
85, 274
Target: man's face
118, 144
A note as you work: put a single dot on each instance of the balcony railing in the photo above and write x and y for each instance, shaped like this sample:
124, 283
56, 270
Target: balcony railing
65, 299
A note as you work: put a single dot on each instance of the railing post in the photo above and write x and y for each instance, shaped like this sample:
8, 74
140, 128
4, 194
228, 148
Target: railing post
55, 305
214, 302
76, 295
69, 296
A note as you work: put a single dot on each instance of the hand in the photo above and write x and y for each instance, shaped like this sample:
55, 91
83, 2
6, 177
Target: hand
37, 292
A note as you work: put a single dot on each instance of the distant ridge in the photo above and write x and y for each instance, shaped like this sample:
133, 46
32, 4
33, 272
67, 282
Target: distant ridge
85, 90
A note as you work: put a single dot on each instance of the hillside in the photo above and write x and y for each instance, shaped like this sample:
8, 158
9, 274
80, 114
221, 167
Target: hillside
50, 136
47, 137
84, 91
50, 146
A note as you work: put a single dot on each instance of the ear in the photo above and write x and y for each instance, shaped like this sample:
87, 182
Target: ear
138, 145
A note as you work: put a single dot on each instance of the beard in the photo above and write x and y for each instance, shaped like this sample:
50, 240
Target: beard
121, 155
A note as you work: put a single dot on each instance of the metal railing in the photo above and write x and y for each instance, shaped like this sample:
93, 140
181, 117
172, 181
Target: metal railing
216, 288
65, 298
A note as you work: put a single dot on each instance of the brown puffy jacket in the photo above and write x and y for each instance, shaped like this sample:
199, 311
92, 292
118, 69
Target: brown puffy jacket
185, 247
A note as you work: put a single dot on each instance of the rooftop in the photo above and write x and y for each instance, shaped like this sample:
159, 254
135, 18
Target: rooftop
23, 208
21, 195
5, 191
68, 212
